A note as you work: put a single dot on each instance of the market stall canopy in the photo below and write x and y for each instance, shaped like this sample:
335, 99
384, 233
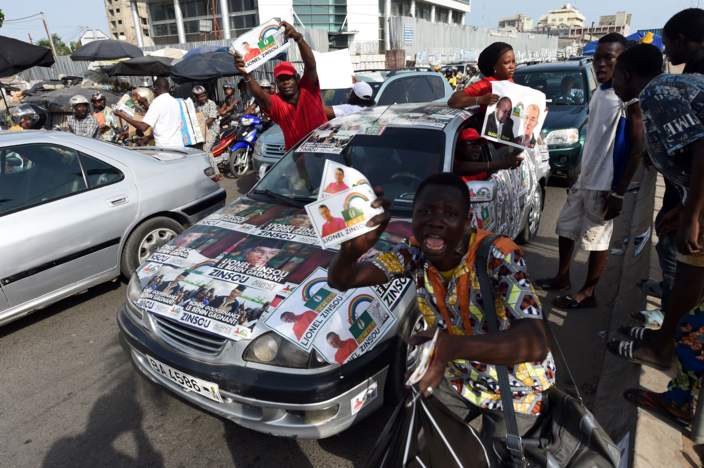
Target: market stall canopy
17, 56
639, 37
142, 66
168, 52
204, 66
107, 49
58, 100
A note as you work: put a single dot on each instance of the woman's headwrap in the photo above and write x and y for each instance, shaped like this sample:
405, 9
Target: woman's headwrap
490, 55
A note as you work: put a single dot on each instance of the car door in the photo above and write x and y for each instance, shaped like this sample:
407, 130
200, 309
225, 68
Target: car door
62, 214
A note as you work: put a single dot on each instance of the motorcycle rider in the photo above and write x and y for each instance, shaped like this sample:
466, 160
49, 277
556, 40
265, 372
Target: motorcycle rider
24, 117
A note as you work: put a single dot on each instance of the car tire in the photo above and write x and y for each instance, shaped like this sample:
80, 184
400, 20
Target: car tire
240, 162
145, 239
395, 389
535, 212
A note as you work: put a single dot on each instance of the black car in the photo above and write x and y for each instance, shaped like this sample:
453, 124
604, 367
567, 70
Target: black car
568, 87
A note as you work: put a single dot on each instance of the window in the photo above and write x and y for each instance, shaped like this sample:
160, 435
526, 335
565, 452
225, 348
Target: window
99, 173
119, 21
36, 174
561, 87
412, 89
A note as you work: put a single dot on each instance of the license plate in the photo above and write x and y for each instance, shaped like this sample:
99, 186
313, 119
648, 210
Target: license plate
188, 383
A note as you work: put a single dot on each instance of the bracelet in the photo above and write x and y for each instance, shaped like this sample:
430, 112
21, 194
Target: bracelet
616, 195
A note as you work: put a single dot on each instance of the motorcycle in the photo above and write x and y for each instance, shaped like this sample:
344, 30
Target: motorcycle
234, 147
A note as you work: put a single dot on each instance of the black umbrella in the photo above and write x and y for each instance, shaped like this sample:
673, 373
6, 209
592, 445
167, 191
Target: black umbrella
58, 100
424, 433
142, 66
106, 49
204, 66
17, 56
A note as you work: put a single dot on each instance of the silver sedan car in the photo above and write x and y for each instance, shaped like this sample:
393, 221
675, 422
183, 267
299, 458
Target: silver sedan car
75, 212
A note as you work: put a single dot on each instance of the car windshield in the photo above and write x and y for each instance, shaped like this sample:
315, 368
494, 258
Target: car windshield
397, 160
561, 87
333, 97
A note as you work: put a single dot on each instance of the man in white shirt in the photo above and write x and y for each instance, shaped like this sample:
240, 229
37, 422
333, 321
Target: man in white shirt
163, 117
360, 97
596, 197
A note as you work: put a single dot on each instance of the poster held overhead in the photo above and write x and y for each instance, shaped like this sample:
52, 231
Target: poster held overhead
517, 117
259, 45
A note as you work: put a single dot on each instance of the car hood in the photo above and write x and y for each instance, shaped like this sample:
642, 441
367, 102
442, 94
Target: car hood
560, 117
229, 272
168, 154
272, 136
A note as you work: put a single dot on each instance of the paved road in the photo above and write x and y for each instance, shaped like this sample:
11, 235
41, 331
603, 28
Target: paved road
71, 398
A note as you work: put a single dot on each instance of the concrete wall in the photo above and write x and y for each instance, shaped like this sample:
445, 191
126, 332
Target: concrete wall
444, 43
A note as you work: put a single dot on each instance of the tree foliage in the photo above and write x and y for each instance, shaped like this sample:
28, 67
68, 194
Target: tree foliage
2, 18
61, 47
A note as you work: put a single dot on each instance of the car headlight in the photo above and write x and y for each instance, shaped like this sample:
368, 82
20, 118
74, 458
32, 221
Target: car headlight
274, 350
258, 149
134, 290
566, 136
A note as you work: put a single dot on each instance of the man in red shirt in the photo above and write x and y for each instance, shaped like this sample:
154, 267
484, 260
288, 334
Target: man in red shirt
297, 106
344, 347
300, 322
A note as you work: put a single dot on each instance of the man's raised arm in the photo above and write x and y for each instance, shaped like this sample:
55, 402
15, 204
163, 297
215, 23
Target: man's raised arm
310, 71
262, 97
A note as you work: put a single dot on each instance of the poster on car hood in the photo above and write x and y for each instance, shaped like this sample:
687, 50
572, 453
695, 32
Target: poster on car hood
329, 138
260, 44
199, 301
340, 326
517, 117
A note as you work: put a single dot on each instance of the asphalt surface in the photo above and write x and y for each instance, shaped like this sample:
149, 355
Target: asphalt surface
70, 396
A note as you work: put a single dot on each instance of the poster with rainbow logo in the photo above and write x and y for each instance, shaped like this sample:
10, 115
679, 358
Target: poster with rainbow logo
260, 44
344, 215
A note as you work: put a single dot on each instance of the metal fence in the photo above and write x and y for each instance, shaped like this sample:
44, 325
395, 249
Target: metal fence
435, 43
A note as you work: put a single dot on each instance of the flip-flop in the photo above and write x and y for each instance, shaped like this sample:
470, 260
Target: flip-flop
652, 403
624, 349
635, 333
569, 302
546, 284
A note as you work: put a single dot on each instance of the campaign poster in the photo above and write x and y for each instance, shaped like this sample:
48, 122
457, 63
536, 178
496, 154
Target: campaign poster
260, 44
301, 315
295, 227
127, 105
344, 215
329, 138
357, 325
196, 245
517, 117
244, 215
338, 177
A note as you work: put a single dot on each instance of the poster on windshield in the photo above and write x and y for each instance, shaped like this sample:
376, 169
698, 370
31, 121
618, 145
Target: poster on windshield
260, 44
329, 138
199, 301
517, 117
339, 325
344, 215
338, 177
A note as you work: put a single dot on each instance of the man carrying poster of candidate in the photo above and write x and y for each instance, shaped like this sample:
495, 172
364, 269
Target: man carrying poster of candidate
517, 117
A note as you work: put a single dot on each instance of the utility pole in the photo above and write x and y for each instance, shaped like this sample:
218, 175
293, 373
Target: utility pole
48, 35
30, 38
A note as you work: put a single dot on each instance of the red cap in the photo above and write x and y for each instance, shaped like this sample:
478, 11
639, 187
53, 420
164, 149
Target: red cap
284, 68
469, 134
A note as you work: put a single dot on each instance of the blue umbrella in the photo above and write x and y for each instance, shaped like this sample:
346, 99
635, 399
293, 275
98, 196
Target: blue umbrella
639, 37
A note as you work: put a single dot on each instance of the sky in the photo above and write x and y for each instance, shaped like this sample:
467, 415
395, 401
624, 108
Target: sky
68, 17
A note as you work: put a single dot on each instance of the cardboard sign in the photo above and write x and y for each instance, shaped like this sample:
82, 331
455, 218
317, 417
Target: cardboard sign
191, 133
259, 45
344, 215
517, 117
334, 69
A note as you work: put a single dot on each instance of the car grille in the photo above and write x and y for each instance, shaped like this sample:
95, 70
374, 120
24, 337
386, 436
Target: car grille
274, 150
179, 336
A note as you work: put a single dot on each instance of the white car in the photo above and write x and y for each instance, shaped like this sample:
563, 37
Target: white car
75, 212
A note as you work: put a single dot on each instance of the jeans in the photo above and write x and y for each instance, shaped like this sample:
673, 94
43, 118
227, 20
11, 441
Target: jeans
667, 256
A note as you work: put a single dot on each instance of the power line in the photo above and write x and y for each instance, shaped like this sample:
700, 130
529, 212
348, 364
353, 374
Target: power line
23, 18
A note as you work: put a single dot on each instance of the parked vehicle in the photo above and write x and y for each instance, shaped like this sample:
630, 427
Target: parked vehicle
390, 87
234, 147
262, 381
75, 212
568, 87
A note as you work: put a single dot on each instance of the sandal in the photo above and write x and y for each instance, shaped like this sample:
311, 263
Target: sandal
548, 284
635, 333
624, 349
653, 403
569, 302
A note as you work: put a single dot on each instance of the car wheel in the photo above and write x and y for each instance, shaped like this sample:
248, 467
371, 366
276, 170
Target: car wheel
405, 357
145, 239
535, 212
239, 162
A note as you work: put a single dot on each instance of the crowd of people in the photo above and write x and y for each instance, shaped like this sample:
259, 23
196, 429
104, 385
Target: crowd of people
640, 120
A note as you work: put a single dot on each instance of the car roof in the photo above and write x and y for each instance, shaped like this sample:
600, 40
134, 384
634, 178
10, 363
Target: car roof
555, 66
420, 115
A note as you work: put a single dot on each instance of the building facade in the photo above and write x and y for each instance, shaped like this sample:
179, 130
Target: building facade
519, 22
121, 21
563, 18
